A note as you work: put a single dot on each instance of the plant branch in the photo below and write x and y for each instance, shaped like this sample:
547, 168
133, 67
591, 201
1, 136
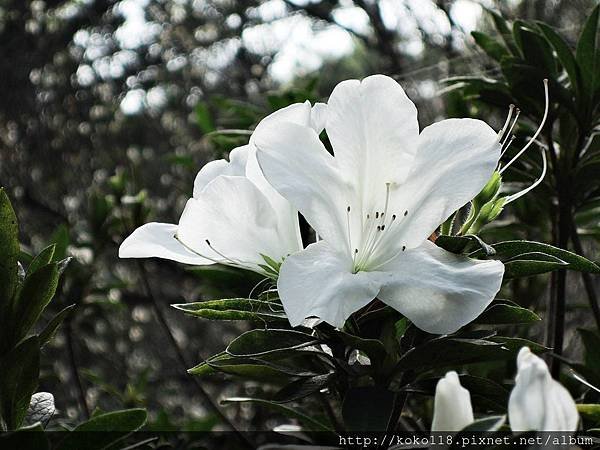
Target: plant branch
182, 360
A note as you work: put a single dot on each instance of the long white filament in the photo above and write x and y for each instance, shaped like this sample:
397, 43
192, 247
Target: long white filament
538, 131
513, 197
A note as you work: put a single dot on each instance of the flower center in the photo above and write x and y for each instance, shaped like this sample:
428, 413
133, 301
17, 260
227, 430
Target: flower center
376, 228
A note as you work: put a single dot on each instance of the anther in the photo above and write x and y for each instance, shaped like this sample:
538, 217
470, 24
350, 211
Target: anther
378, 228
382, 227
393, 216
406, 213
403, 247
348, 209
355, 251
207, 242
377, 214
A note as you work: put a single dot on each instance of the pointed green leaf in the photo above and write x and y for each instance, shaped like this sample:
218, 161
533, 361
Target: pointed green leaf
9, 253
42, 259
38, 289
506, 314
235, 309
104, 430
490, 46
564, 53
263, 342
510, 249
51, 327
19, 373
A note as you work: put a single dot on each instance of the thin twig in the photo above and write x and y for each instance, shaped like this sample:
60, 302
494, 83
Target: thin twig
73, 367
182, 360
587, 279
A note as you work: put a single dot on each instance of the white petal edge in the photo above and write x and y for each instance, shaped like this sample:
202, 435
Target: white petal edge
437, 290
297, 165
318, 282
373, 128
236, 166
157, 240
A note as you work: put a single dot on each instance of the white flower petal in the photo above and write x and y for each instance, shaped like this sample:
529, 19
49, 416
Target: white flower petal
318, 117
454, 161
298, 113
298, 166
318, 282
439, 291
373, 128
158, 240
452, 409
237, 220
236, 166
538, 402
287, 216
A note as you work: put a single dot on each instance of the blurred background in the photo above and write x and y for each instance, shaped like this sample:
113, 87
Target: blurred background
109, 108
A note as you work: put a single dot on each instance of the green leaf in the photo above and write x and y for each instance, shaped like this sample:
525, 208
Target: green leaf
264, 342
42, 259
308, 422
589, 411
502, 27
367, 408
464, 244
104, 430
490, 46
235, 309
19, 372
9, 253
60, 238
513, 345
450, 351
38, 289
302, 388
536, 51
51, 327
530, 264
204, 118
588, 54
511, 249
564, 53
500, 314
254, 368
488, 424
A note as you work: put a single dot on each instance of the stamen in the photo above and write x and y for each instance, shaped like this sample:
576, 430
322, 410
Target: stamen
516, 196
229, 261
538, 131
348, 225
512, 139
512, 126
508, 117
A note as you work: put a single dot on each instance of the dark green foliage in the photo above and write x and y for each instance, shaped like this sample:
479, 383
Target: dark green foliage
22, 301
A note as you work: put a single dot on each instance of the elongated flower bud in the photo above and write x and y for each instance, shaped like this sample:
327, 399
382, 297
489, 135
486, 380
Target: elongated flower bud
538, 402
452, 410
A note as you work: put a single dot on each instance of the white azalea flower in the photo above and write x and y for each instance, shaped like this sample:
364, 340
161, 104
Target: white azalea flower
538, 402
452, 409
235, 217
375, 203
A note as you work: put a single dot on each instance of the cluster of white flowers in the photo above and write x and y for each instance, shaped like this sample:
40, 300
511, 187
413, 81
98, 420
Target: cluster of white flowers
374, 204
537, 401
